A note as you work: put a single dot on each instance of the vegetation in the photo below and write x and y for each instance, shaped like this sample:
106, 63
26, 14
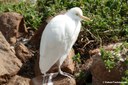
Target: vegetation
125, 78
76, 58
110, 22
108, 59
113, 58
31, 15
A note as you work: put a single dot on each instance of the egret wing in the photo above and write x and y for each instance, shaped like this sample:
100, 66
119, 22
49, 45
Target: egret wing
52, 45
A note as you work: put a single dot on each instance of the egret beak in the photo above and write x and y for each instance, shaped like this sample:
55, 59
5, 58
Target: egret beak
85, 18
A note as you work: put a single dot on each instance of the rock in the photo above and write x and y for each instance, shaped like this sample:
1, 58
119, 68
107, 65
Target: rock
12, 25
9, 63
59, 80
18, 80
68, 65
100, 75
22, 52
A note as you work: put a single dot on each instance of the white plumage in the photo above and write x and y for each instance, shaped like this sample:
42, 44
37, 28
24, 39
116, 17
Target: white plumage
58, 38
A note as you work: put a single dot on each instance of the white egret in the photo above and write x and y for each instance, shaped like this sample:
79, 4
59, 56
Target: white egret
58, 38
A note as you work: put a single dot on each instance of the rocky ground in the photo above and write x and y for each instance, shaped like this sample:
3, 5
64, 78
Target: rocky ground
19, 54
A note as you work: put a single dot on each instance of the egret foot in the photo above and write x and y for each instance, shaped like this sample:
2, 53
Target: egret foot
50, 79
66, 74
54, 74
47, 78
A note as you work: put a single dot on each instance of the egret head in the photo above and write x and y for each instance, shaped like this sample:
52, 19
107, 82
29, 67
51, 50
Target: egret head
77, 14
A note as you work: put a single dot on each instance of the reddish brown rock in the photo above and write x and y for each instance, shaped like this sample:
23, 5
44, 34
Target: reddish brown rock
18, 80
9, 63
100, 75
22, 52
59, 80
67, 66
12, 25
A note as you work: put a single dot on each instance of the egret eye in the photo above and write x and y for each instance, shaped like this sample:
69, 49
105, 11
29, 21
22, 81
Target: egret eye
77, 14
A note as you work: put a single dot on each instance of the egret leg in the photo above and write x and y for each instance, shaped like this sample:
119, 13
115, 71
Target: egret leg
44, 80
54, 74
65, 74
50, 79
47, 78
61, 60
